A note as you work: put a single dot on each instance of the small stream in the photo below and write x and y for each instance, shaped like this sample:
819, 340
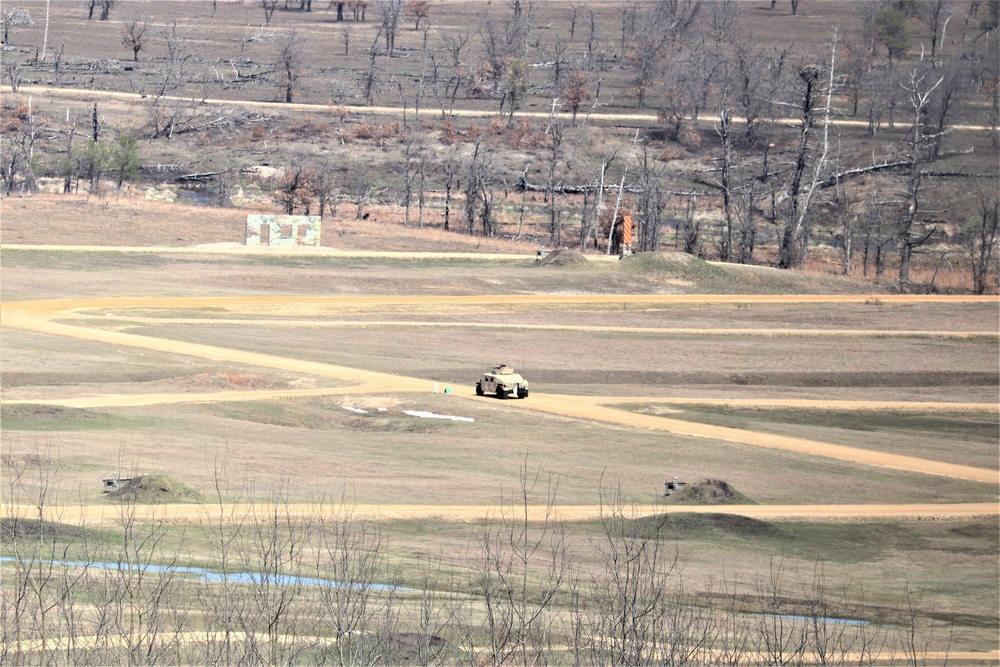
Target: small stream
216, 577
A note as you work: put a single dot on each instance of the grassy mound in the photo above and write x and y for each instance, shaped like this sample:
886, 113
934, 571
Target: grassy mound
679, 264
689, 525
692, 273
22, 530
564, 257
30, 417
708, 492
156, 489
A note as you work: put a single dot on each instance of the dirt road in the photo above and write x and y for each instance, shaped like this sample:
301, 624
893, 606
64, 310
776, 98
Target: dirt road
90, 95
194, 513
40, 316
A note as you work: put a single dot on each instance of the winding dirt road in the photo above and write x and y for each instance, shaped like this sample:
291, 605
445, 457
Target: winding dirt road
42, 316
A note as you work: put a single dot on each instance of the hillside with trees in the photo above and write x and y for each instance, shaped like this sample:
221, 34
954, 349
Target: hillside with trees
861, 136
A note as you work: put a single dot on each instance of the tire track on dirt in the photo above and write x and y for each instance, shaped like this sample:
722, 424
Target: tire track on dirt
657, 331
104, 514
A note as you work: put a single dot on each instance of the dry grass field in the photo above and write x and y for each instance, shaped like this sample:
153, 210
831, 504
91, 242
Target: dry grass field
305, 416
203, 413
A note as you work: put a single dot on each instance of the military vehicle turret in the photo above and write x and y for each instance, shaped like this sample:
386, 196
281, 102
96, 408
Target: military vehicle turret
503, 382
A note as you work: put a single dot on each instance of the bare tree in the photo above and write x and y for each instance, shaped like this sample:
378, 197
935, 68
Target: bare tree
290, 59
692, 228
803, 187
724, 129
650, 204
480, 189
106, 6
272, 548
358, 8
134, 35
391, 11
555, 136
756, 79
520, 571
14, 17
982, 236
413, 168
360, 606
370, 77
269, 7
418, 10
626, 618
877, 236
919, 87
932, 13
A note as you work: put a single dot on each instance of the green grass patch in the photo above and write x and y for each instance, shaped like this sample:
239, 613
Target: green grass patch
960, 425
676, 264
689, 526
57, 418
90, 261
832, 542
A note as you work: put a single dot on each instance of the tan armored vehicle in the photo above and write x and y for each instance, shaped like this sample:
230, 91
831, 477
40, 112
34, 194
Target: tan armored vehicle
502, 381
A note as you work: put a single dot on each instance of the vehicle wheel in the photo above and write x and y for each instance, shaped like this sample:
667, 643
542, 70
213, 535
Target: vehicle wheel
522, 393
479, 389
501, 393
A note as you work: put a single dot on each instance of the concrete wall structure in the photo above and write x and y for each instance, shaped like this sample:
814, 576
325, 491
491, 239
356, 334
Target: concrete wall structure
283, 230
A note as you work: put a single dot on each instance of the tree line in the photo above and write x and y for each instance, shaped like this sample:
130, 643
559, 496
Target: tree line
782, 169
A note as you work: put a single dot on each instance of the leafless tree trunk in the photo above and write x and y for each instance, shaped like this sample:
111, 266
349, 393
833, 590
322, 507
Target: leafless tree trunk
911, 236
269, 6
723, 128
391, 11
794, 241
650, 205
621, 189
555, 132
290, 57
134, 36
982, 243
413, 169
692, 228
106, 6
